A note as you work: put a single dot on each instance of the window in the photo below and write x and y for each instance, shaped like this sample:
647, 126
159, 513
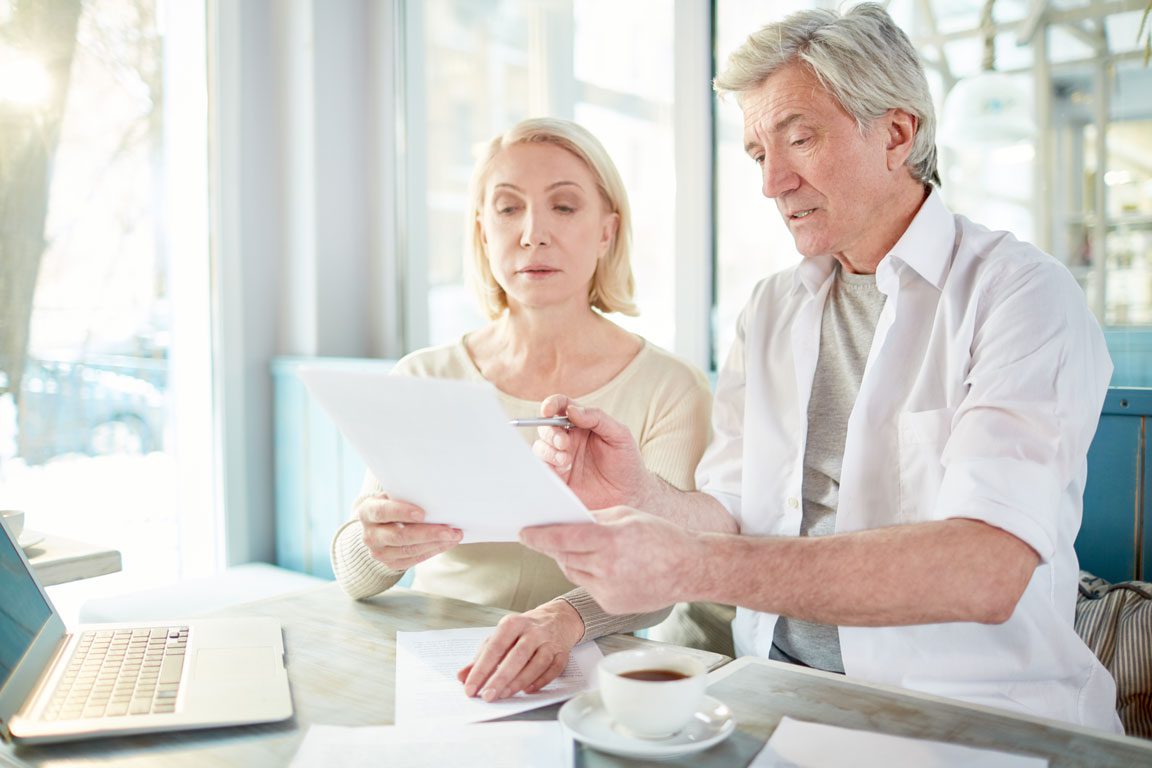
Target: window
104, 402
482, 66
1073, 174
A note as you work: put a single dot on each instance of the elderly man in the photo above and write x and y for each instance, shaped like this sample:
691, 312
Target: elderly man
900, 431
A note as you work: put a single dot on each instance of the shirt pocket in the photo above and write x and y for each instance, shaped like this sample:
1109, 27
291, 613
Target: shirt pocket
922, 435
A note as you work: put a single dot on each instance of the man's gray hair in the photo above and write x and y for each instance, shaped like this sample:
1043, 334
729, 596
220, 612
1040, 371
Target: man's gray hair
861, 57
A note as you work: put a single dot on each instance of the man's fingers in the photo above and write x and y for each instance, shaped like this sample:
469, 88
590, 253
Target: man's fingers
561, 461
596, 420
554, 405
611, 514
553, 540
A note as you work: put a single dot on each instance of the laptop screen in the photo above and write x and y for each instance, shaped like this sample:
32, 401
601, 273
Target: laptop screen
23, 611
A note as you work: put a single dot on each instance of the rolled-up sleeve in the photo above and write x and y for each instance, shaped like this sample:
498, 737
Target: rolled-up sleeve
1038, 376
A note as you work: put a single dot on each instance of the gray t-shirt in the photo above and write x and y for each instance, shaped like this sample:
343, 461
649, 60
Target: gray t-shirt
846, 330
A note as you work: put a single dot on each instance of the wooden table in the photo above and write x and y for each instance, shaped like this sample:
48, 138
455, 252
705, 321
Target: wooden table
341, 658
760, 692
57, 560
341, 663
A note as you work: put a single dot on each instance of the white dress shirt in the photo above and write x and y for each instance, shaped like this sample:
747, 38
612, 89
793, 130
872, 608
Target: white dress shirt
979, 400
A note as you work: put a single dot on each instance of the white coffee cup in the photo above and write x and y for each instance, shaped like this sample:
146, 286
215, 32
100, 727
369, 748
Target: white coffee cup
651, 693
14, 519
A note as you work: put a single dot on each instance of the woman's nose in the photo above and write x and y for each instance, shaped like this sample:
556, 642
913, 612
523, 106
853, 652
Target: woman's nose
535, 232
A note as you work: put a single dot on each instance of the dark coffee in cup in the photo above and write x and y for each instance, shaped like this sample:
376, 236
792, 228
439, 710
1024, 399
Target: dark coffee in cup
654, 675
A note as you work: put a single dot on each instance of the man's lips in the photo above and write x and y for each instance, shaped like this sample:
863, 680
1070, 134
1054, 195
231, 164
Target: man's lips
800, 214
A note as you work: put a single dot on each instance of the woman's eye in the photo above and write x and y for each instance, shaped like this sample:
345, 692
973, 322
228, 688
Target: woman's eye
565, 209
505, 210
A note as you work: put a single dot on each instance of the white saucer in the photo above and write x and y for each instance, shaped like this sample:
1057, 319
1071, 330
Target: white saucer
30, 539
585, 720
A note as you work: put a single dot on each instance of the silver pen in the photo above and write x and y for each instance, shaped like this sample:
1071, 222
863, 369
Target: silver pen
554, 421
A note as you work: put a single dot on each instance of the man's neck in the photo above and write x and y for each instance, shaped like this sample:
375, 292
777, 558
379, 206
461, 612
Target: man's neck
905, 205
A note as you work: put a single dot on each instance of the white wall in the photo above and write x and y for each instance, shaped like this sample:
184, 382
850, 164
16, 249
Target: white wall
300, 95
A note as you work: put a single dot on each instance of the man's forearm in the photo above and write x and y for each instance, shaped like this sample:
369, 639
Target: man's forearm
953, 570
689, 509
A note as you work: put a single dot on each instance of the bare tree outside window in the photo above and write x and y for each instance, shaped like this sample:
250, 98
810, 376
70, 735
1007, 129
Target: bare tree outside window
37, 41
82, 257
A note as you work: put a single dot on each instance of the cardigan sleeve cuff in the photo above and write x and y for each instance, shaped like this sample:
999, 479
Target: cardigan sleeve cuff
598, 622
359, 574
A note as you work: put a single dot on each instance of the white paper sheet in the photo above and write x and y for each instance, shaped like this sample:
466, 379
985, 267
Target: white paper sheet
495, 745
799, 744
427, 689
446, 446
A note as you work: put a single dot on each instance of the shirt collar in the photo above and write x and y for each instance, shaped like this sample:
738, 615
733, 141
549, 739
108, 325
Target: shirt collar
813, 272
926, 246
931, 234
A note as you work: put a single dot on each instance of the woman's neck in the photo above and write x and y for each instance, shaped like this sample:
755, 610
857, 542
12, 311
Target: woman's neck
532, 354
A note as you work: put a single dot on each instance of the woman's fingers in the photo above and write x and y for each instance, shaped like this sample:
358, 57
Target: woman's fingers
526, 650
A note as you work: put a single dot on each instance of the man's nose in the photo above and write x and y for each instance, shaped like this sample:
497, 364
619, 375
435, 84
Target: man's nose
777, 177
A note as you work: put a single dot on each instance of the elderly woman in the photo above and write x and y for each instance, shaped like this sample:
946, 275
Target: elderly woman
550, 231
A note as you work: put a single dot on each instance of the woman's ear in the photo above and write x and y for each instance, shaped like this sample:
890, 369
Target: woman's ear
483, 234
608, 230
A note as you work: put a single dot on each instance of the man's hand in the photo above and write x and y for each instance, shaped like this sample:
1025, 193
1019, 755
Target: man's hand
527, 651
630, 561
396, 535
598, 457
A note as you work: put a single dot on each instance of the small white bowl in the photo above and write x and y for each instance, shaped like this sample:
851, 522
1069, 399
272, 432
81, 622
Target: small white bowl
14, 519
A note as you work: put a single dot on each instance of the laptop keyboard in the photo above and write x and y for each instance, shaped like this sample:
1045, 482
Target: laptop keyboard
121, 672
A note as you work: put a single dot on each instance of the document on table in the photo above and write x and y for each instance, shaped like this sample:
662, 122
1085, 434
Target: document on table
494, 745
446, 446
799, 744
427, 688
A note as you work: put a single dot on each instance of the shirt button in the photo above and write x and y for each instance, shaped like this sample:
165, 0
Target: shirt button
793, 502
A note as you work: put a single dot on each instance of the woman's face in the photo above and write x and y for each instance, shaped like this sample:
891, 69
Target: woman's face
544, 225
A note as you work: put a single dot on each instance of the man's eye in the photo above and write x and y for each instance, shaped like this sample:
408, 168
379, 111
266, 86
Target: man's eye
800, 142
758, 159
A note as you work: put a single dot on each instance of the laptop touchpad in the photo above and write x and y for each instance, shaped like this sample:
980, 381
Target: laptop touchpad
234, 663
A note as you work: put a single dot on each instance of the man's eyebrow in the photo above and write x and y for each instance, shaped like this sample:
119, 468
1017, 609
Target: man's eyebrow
779, 126
786, 121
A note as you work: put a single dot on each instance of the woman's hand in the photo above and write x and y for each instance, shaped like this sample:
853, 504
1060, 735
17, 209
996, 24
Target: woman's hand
525, 653
396, 535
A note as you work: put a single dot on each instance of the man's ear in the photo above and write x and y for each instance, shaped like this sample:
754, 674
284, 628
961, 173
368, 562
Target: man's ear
901, 132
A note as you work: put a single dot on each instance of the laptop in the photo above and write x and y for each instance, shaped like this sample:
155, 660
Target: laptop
120, 679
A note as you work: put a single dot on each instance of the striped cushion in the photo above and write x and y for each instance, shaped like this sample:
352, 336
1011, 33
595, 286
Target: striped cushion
1115, 621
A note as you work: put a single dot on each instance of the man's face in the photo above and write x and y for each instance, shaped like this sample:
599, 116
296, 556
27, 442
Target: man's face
830, 182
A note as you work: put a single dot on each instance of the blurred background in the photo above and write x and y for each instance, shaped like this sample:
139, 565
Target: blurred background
193, 192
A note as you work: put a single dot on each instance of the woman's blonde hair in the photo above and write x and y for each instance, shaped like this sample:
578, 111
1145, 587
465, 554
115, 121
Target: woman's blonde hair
612, 284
